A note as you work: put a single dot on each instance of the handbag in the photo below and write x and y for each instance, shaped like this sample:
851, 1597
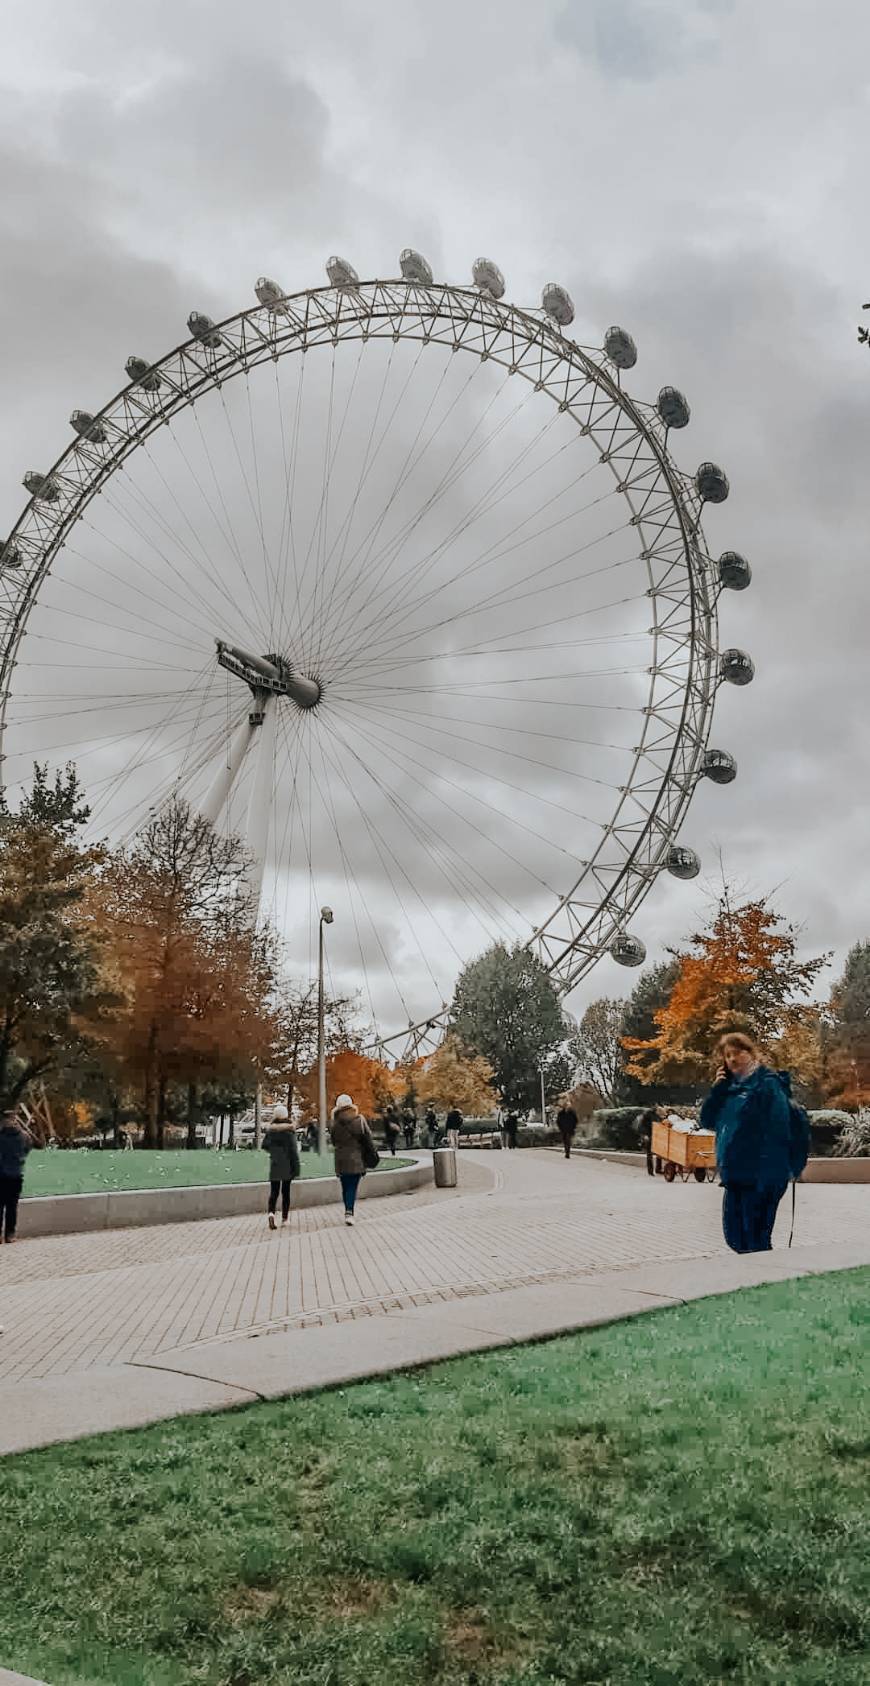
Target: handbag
370, 1156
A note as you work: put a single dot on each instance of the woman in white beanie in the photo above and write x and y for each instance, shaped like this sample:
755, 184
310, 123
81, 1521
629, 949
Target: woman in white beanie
279, 1142
354, 1149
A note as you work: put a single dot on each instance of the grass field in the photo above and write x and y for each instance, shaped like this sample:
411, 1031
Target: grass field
680, 1499
96, 1172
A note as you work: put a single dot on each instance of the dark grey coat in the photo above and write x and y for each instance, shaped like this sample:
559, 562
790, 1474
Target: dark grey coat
280, 1143
15, 1145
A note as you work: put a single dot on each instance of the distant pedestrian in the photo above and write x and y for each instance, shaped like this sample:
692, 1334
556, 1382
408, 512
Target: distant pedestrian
354, 1150
761, 1141
391, 1131
409, 1129
279, 1141
566, 1124
15, 1144
644, 1129
453, 1126
511, 1129
431, 1123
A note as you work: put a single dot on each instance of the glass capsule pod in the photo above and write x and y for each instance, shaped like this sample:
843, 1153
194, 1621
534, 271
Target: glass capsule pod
628, 950
415, 268
620, 348
734, 571
712, 483
558, 304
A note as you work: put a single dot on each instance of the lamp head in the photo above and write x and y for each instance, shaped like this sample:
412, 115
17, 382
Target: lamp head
326, 915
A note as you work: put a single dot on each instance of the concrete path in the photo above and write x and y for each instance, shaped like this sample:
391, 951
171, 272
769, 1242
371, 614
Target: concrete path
117, 1330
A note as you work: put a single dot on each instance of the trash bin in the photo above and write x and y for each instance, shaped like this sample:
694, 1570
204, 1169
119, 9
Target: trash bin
444, 1161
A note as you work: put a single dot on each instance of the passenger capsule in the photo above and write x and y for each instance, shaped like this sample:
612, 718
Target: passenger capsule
712, 483
10, 556
341, 273
683, 863
488, 277
558, 304
628, 950
672, 407
620, 348
734, 571
719, 766
736, 667
88, 427
269, 293
203, 329
142, 374
415, 268
41, 486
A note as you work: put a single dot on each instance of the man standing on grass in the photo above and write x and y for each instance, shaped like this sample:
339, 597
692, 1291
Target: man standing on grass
15, 1144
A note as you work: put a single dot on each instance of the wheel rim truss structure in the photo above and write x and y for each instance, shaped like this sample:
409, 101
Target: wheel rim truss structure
630, 437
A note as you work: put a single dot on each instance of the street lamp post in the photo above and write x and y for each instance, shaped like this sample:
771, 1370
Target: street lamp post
325, 919
543, 1100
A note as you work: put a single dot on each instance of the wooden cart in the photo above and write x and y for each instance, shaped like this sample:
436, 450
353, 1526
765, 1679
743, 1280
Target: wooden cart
676, 1151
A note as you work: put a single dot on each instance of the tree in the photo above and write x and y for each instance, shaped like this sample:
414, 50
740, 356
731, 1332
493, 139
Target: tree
294, 1046
348, 1072
453, 1077
846, 1035
596, 1047
742, 972
196, 972
53, 992
505, 1008
651, 993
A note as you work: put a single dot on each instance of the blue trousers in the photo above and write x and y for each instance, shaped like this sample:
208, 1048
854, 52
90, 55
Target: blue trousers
748, 1216
350, 1181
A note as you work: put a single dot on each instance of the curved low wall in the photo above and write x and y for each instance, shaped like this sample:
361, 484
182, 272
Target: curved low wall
74, 1214
817, 1170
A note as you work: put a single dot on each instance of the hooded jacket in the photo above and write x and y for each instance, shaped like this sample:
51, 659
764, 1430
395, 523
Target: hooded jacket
753, 1126
280, 1143
347, 1129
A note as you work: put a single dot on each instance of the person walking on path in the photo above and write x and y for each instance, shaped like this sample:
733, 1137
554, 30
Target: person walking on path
15, 1144
280, 1143
762, 1141
354, 1150
511, 1129
409, 1127
453, 1125
566, 1124
391, 1131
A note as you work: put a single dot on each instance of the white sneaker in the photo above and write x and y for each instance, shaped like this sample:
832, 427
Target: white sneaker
271, 1220
348, 1217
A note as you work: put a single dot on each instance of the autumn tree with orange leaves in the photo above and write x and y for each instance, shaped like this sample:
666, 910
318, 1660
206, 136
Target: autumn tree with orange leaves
740, 973
349, 1072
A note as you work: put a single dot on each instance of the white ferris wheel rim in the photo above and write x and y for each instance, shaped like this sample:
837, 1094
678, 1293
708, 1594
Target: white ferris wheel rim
631, 439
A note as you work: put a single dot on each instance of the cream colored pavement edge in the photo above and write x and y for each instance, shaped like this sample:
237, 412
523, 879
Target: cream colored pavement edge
128, 1327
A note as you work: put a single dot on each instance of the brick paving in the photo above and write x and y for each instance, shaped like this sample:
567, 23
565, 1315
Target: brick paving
70, 1304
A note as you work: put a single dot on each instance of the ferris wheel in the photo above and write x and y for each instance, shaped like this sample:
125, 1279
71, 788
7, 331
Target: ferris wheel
396, 580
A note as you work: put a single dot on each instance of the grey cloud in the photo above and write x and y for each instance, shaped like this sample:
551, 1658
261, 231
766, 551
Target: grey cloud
642, 40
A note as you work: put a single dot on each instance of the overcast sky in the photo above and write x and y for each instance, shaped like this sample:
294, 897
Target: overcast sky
693, 169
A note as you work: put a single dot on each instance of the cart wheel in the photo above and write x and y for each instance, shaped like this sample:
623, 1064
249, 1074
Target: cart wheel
669, 1171
700, 1174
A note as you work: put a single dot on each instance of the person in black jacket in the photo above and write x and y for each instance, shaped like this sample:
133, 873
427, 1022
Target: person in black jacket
511, 1129
280, 1143
15, 1144
566, 1124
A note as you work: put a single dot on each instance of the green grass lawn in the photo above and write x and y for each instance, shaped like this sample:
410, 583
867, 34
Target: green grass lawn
95, 1172
676, 1500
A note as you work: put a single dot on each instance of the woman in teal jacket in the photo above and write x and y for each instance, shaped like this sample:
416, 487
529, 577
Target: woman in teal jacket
749, 1108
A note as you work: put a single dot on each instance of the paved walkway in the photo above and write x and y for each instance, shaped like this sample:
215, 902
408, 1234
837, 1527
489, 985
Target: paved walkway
121, 1328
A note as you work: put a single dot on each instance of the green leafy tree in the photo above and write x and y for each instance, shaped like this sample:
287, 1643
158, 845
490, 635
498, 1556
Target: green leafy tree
53, 992
650, 995
506, 1009
846, 1035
